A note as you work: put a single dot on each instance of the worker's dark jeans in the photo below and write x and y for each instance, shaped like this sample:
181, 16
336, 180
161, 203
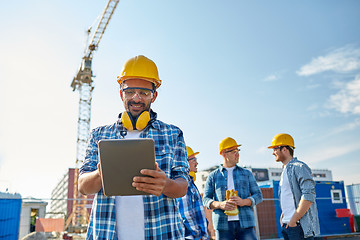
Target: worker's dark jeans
236, 232
294, 233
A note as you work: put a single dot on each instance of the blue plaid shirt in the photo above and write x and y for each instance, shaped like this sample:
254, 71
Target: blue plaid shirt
193, 213
162, 218
302, 186
245, 184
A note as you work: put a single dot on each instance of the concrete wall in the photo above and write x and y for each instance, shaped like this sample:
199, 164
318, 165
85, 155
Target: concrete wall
27, 205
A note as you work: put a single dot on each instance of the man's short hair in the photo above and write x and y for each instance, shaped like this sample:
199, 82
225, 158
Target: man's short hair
291, 150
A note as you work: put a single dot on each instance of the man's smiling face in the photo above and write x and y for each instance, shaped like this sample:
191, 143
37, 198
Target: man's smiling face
137, 103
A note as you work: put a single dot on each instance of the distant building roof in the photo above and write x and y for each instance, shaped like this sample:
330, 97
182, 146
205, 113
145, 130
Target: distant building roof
10, 195
34, 200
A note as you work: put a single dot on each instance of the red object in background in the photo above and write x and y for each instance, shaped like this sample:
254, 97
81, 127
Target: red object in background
344, 212
49, 225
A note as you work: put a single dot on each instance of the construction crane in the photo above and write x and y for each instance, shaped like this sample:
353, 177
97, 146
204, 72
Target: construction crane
83, 82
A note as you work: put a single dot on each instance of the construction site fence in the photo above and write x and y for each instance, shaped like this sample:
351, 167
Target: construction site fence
14, 219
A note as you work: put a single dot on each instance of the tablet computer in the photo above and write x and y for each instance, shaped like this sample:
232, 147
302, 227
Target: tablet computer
121, 160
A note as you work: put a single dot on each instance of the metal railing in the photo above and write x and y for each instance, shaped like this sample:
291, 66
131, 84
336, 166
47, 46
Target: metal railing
267, 216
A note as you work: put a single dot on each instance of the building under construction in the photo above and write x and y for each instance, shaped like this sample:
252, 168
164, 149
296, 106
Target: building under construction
62, 203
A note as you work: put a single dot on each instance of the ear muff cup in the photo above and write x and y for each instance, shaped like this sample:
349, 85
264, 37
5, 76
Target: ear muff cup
193, 175
139, 123
126, 120
142, 120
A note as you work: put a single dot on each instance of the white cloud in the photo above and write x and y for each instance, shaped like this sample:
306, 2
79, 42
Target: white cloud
330, 152
313, 86
275, 76
343, 128
345, 59
271, 78
347, 100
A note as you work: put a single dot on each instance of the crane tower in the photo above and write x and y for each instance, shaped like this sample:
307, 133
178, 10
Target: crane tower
83, 82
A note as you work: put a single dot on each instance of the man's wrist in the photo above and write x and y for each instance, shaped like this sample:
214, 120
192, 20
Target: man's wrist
294, 219
215, 205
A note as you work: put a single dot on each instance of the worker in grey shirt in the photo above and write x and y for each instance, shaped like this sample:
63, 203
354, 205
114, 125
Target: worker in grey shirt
299, 217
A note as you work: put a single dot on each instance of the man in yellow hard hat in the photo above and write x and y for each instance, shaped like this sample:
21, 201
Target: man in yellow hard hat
229, 176
153, 216
299, 217
191, 207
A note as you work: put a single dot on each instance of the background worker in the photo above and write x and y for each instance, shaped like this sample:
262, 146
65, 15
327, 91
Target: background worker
299, 217
152, 216
230, 176
191, 207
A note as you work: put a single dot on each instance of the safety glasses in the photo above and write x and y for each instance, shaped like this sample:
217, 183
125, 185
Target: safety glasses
143, 93
192, 159
233, 151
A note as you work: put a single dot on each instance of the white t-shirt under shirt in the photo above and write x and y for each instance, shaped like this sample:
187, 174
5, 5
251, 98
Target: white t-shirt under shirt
286, 197
130, 211
230, 185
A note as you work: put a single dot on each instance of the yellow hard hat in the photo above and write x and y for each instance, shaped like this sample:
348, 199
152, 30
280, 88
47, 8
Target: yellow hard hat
227, 143
190, 152
140, 67
282, 139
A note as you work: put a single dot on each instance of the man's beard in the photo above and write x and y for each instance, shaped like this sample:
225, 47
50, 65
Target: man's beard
145, 108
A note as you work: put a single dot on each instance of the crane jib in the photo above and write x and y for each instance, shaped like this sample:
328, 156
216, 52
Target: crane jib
83, 82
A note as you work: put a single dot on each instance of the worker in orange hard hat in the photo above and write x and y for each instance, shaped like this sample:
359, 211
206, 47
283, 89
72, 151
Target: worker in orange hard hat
299, 218
232, 192
191, 207
148, 216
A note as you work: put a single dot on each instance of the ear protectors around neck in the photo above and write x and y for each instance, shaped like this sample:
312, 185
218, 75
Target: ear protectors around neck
135, 124
193, 175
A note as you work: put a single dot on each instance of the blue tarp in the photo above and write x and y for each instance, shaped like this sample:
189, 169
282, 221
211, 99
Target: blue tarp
10, 211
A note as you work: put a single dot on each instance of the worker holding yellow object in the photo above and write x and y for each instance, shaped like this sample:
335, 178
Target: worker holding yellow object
229, 194
232, 192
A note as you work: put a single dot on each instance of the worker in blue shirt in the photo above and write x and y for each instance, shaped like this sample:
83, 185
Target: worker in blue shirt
153, 216
299, 218
191, 207
229, 176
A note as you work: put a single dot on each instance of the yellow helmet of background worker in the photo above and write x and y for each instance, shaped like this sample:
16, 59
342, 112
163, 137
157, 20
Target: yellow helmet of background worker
282, 139
227, 143
140, 67
190, 152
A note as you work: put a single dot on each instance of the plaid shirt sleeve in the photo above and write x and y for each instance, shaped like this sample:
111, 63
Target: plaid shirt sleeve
256, 195
170, 150
209, 191
162, 218
102, 222
247, 187
91, 156
215, 190
193, 214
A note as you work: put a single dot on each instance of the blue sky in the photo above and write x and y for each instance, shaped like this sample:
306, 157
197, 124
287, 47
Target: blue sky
244, 69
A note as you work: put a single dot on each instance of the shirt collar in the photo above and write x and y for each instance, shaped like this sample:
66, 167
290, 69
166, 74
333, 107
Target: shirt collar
222, 168
291, 161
